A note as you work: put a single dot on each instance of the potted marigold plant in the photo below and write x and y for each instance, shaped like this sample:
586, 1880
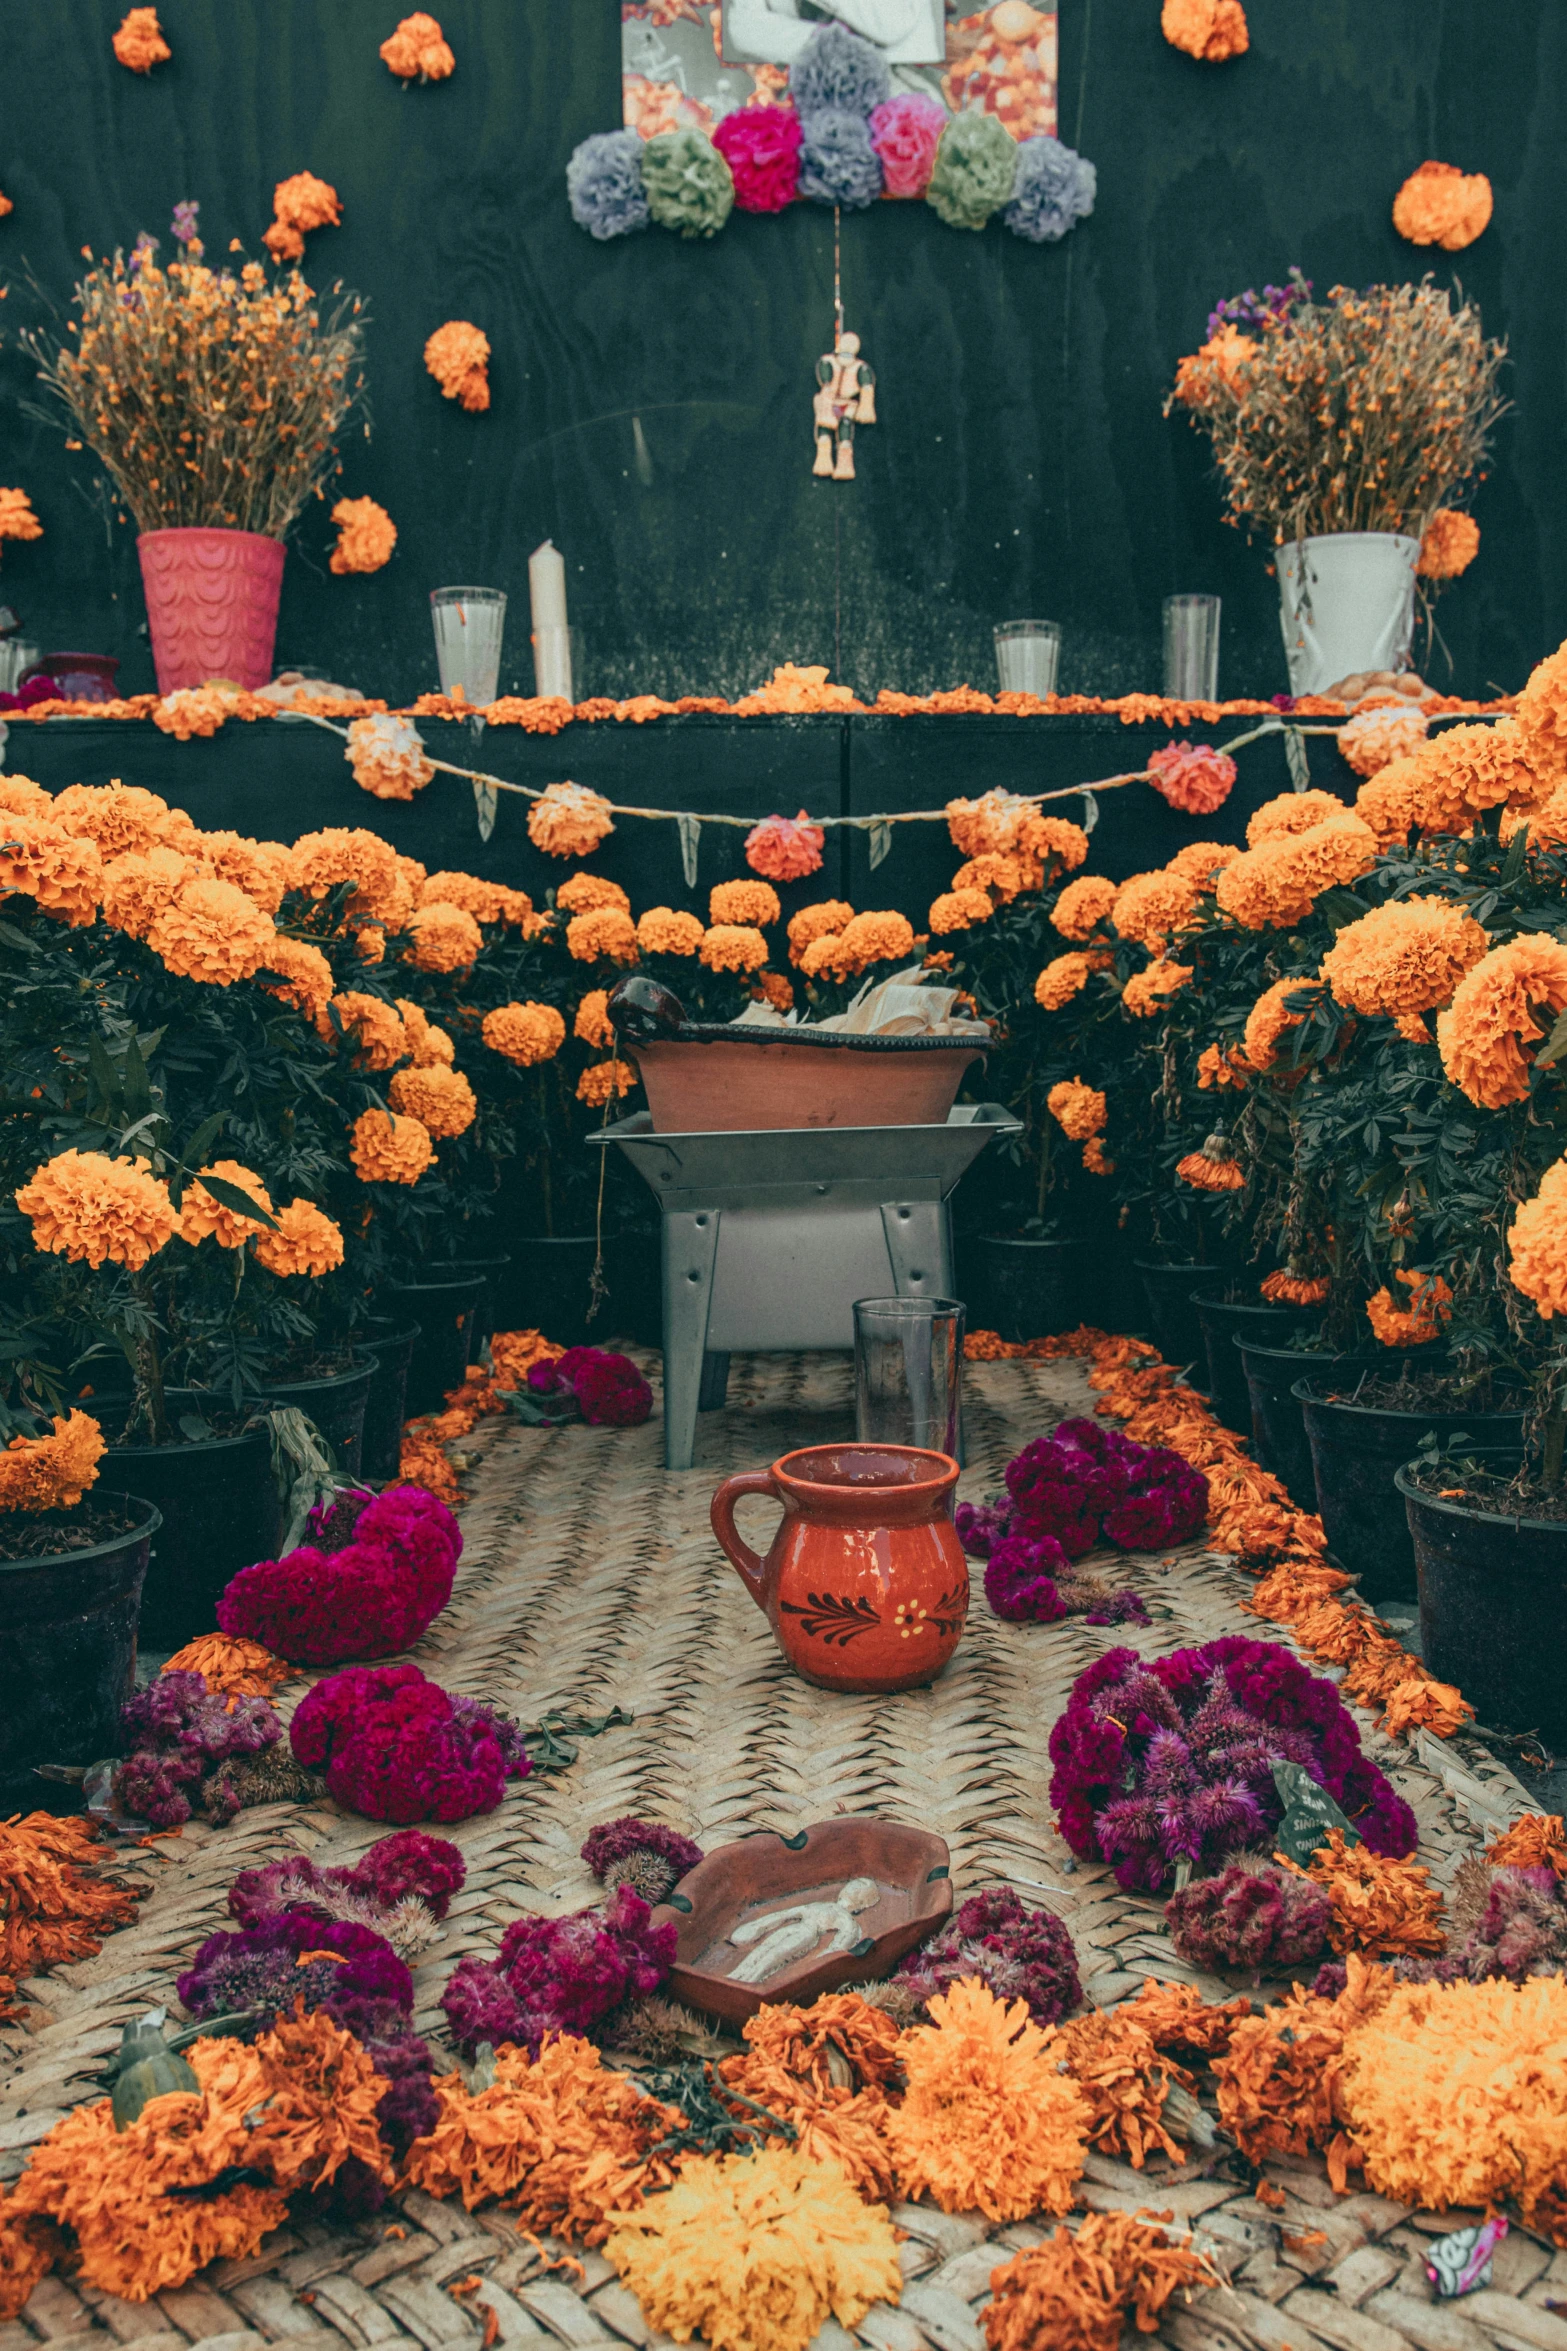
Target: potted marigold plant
1340, 429
213, 399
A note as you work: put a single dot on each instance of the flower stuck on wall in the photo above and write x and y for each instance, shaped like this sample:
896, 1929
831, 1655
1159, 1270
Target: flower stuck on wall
1208, 29
17, 519
300, 204
1441, 205
458, 356
1448, 545
366, 537
418, 50
139, 44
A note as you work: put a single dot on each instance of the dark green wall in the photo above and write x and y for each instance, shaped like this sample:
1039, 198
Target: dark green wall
1021, 465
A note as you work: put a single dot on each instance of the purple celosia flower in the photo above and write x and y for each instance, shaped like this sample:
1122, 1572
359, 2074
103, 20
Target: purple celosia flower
382, 1576
330, 1526
1020, 1579
610, 1391
982, 1525
618, 1842
259, 1968
1086, 1484
396, 1747
407, 1864
558, 1975
1123, 1607
1020, 1954
177, 1735
1252, 1919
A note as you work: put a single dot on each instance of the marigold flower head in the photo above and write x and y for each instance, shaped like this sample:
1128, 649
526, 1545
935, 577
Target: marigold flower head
53, 1472
387, 755
389, 1149
1052, 839
1275, 885
213, 932
1152, 905
140, 885
191, 711
1390, 802
785, 848
811, 923
1441, 205
1408, 956
370, 943
204, 1217
306, 1241
17, 519
592, 1023
485, 901
773, 988
1291, 812
524, 1033
987, 2122
371, 1025
1209, 29
306, 203
1064, 977
117, 816
954, 910
318, 862
39, 858
1430, 1306
417, 47
1193, 777
665, 930
605, 1081
1535, 1840
1218, 1068
1213, 1168
606, 933
585, 893
90, 1208
1290, 1289
428, 1044
1078, 1110
1094, 1159
1466, 770
1448, 545
441, 1099
998, 873
1269, 1017
1541, 710
366, 535
1148, 992
994, 821
1201, 863
1537, 1244
1083, 905
748, 904
1483, 1032
458, 356
1374, 738
568, 820
864, 940
729, 946
20, 796
444, 938
139, 44
259, 868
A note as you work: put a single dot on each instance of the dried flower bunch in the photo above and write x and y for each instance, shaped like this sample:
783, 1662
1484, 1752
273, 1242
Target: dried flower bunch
189, 1750
607, 1389
641, 1854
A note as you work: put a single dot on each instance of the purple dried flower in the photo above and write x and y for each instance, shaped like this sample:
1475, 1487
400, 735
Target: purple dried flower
183, 226
1123, 1607
642, 1854
982, 1525
1250, 1918
558, 1975
1020, 1579
177, 1736
1020, 1954
407, 1865
259, 1968
1523, 1931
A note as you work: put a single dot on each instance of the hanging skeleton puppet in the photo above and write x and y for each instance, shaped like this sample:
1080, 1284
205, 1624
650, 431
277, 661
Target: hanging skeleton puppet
845, 397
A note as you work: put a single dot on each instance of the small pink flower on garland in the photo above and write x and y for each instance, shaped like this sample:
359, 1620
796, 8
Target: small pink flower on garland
761, 145
785, 848
1192, 776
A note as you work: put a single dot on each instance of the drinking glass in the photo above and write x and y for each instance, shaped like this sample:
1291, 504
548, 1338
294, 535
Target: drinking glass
908, 1372
557, 662
1028, 653
469, 624
1191, 648
16, 658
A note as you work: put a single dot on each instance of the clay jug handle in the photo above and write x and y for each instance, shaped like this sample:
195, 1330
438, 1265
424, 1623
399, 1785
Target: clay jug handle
746, 1563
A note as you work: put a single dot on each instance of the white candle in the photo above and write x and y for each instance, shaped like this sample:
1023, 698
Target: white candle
547, 586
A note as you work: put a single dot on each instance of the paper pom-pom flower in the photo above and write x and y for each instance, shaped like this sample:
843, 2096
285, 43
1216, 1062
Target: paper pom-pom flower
667, 930
1209, 29
1054, 189
785, 848
567, 820
387, 756
905, 131
53, 1472
1408, 956
366, 535
440, 1098
838, 164
139, 43
394, 1746
390, 1150
524, 1033
1192, 777
1441, 205
988, 2122
370, 1598
418, 49
761, 145
306, 1241
1374, 738
458, 356
689, 185
1448, 545
604, 185
838, 73
975, 171
17, 519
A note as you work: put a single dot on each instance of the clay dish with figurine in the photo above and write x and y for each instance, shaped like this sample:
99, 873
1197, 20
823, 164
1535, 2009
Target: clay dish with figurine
839, 1903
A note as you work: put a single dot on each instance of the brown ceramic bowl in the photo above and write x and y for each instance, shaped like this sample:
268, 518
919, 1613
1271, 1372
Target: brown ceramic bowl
900, 1891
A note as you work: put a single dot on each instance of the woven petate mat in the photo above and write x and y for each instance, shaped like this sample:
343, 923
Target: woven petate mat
590, 1579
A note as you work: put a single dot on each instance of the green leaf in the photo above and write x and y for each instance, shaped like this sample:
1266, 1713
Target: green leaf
1555, 1044
205, 1136
231, 1196
1517, 851
138, 1091
107, 1080
193, 1426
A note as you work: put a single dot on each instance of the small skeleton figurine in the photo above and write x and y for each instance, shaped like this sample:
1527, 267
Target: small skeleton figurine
845, 397
784, 1935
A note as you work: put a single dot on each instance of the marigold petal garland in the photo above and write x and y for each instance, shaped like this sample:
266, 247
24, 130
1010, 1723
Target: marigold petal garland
1073, 2292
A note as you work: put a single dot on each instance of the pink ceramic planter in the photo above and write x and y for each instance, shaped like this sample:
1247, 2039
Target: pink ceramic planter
212, 598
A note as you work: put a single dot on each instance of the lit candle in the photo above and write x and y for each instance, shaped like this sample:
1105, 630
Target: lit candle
547, 586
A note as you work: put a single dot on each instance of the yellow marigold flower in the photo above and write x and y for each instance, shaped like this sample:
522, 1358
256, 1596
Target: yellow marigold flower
1292, 812
1483, 1032
592, 1021
90, 1208
994, 871
1269, 1017
605, 1081
994, 821
1063, 978
444, 938
428, 1045
54, 1472
371, 1025
664, 931
866, 939
1405, 957
139, 44
17, 519
569, 821
1541, 710
746, 905
458, 356
956, 910
816, 922
1441, 205
1537, 1244
1148, 992
211, 931
1201, 863
1044, 838
388, 1149
366, 535
306, 1241
117, 816
1449, 544
1218, 1068
386, 752
1374, 738
585, 893
1078, 1110
988, 2121
524, 1033
1212, 1169
39, 858
732, 946
1430, 1306
204, 1217
441, 1099
259, 868
605, 934
1275, 885
1083, 905
140, 885
1152, 905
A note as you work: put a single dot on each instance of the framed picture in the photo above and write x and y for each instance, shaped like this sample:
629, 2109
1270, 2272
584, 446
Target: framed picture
773, 32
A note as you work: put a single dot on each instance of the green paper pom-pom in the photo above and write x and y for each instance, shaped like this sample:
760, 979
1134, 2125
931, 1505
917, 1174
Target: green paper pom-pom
689, 185
976, 164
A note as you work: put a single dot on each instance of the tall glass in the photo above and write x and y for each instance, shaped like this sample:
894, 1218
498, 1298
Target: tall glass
1028, 654
908, 1372
469, 625
1191, 648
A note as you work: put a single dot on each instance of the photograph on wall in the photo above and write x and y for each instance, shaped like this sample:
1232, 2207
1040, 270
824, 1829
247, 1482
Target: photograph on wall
687, 63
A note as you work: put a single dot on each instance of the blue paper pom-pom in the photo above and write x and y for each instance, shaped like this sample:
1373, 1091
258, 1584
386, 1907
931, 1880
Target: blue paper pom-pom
1053, 191
604, 184
838, 73
838, 164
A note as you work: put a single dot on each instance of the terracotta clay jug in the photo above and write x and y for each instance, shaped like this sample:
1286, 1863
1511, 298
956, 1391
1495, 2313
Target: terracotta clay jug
866, 1585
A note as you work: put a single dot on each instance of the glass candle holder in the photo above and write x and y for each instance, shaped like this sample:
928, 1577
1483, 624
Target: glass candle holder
908, 1372
1191, 648
1028, 654
469, 625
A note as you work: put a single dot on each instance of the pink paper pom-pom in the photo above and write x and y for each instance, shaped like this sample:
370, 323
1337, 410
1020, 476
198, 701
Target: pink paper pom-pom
904, 133
1193, 777
785, 848
761, 145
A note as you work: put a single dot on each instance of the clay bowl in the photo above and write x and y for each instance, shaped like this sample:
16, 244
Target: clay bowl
768, 1874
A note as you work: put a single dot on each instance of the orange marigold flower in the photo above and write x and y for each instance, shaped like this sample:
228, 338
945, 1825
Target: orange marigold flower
773, 988
1537, 1244
441, 1099
1193, 777
190, 711
259, 868
1063, 978
1275, 885
428, 1044
306, 203
1218, 367
607, 932
994, 821
458, 356
1044, 839
664, 930
1201, 863
1374, 738
730, 946
417, 47
485, 901
1078, 1110
1152, 905
605, 1081
90, 1208
996, 872
592, 1021
54, 1472
140, 885
1405, 957
370, 943
1384, 1908
1483, 1032
1449, 544
1535, 1840
387, 755
1390, 803
568, 820
865, 939
1076, 2290
1292, 812
20, 796
816, 922
319, 861
366, 535
585, 893
1441, 205
1212, 1169
1430, 1305
42, 860
1218, 1066
231, 1668
1269, 1017
1466, 770
139, 43
1289, 1289
211, 931
785, 848
305, 974
987, 2122
1083, 905
1094, 1158
524, 1033
1209, 29
17, 519
956, 910
1148, 992
749, 904
388, 1149
306, 1241
117, 816
445, 938
369, 1023
794, 687
204, 1217
1541, 711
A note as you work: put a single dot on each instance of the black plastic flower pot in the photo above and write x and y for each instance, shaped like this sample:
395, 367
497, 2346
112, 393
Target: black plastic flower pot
496, 1273
1493, 1601
1222, 1320
1356, 1453
1028, 1289
555, 1289
391, 1350
445, 1308
1278, 1431
68, 1646
221, 1512
337, 1407
1176, 1331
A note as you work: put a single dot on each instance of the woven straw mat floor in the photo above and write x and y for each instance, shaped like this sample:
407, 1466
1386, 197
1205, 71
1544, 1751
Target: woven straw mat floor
590, 1578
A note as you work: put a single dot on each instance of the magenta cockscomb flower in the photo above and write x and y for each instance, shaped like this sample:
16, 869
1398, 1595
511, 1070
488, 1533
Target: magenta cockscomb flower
1020, 1954
178, 1736
558, 1975
394, 1746
641, 1854
1255, 1919
378, 1579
